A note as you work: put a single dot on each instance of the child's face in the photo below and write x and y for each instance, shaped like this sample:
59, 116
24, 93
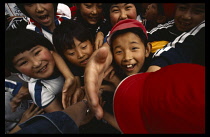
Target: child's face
43, 13
129, 52
80, 54
189, 15
151, 12
91, 12
37, 62
122, 11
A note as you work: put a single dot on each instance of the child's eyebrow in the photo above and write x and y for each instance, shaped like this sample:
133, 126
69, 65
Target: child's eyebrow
18, 60
34, 48
118, 46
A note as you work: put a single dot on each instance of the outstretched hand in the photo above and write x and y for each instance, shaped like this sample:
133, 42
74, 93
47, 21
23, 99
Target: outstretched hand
94, 74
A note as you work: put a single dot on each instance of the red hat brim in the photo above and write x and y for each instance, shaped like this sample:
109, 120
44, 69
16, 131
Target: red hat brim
170, 100
127, 104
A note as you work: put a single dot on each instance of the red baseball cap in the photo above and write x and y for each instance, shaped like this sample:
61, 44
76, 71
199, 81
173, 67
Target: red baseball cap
170, 100
124, 24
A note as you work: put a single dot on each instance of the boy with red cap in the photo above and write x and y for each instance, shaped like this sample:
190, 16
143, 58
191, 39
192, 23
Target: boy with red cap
129, 47
130, 50
175, 103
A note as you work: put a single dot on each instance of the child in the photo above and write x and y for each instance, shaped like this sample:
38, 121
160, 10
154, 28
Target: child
43, 18
158, 13
75, 44
129, 46
185, 36
183, 22
30, 55
114, 12
91, 16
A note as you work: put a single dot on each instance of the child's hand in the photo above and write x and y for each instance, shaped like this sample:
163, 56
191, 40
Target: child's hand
99, 40
78, 95
69, 88
110, 76
23, 93
30, 112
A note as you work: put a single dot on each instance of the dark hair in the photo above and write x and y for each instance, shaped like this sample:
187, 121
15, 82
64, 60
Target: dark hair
64, 33
160, 9
20, 40
139, 32
22, 9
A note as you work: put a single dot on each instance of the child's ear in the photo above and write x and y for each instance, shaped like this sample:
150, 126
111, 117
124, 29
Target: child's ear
148, 49
161, 19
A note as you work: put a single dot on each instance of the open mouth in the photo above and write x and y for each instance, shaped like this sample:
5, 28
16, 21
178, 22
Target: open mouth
129, 67
43, 17
185, 24
93, 18
43, 69
84, 61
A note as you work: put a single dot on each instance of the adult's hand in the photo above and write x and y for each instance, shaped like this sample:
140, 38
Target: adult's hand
94, 74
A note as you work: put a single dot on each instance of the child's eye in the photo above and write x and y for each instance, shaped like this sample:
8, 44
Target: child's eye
22, 63
71, 54
198, 11
135, 48
83, 47
88, 6
182, 8
115, 10
37, 52
118, 52
128, 7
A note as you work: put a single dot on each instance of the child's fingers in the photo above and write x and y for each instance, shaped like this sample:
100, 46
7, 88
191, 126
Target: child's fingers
41, 111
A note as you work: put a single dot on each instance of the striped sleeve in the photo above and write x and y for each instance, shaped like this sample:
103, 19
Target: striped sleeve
183, 49
12, 86
162, 26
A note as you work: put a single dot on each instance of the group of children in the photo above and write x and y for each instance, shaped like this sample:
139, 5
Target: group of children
52, 51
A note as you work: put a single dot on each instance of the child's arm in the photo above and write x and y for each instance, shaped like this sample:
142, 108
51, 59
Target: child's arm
30, 112
70, 82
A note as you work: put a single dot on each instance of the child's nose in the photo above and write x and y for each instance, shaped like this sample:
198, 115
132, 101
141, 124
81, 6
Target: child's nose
123, 15
36, 63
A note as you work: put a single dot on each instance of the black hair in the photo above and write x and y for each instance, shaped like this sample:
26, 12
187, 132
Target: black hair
20, 40
137, 31
22, 9
64, 33
160, 9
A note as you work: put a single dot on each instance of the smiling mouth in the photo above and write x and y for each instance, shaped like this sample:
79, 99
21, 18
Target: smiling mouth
43, 69
129, 67
43, 17
184, 24
84, 61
